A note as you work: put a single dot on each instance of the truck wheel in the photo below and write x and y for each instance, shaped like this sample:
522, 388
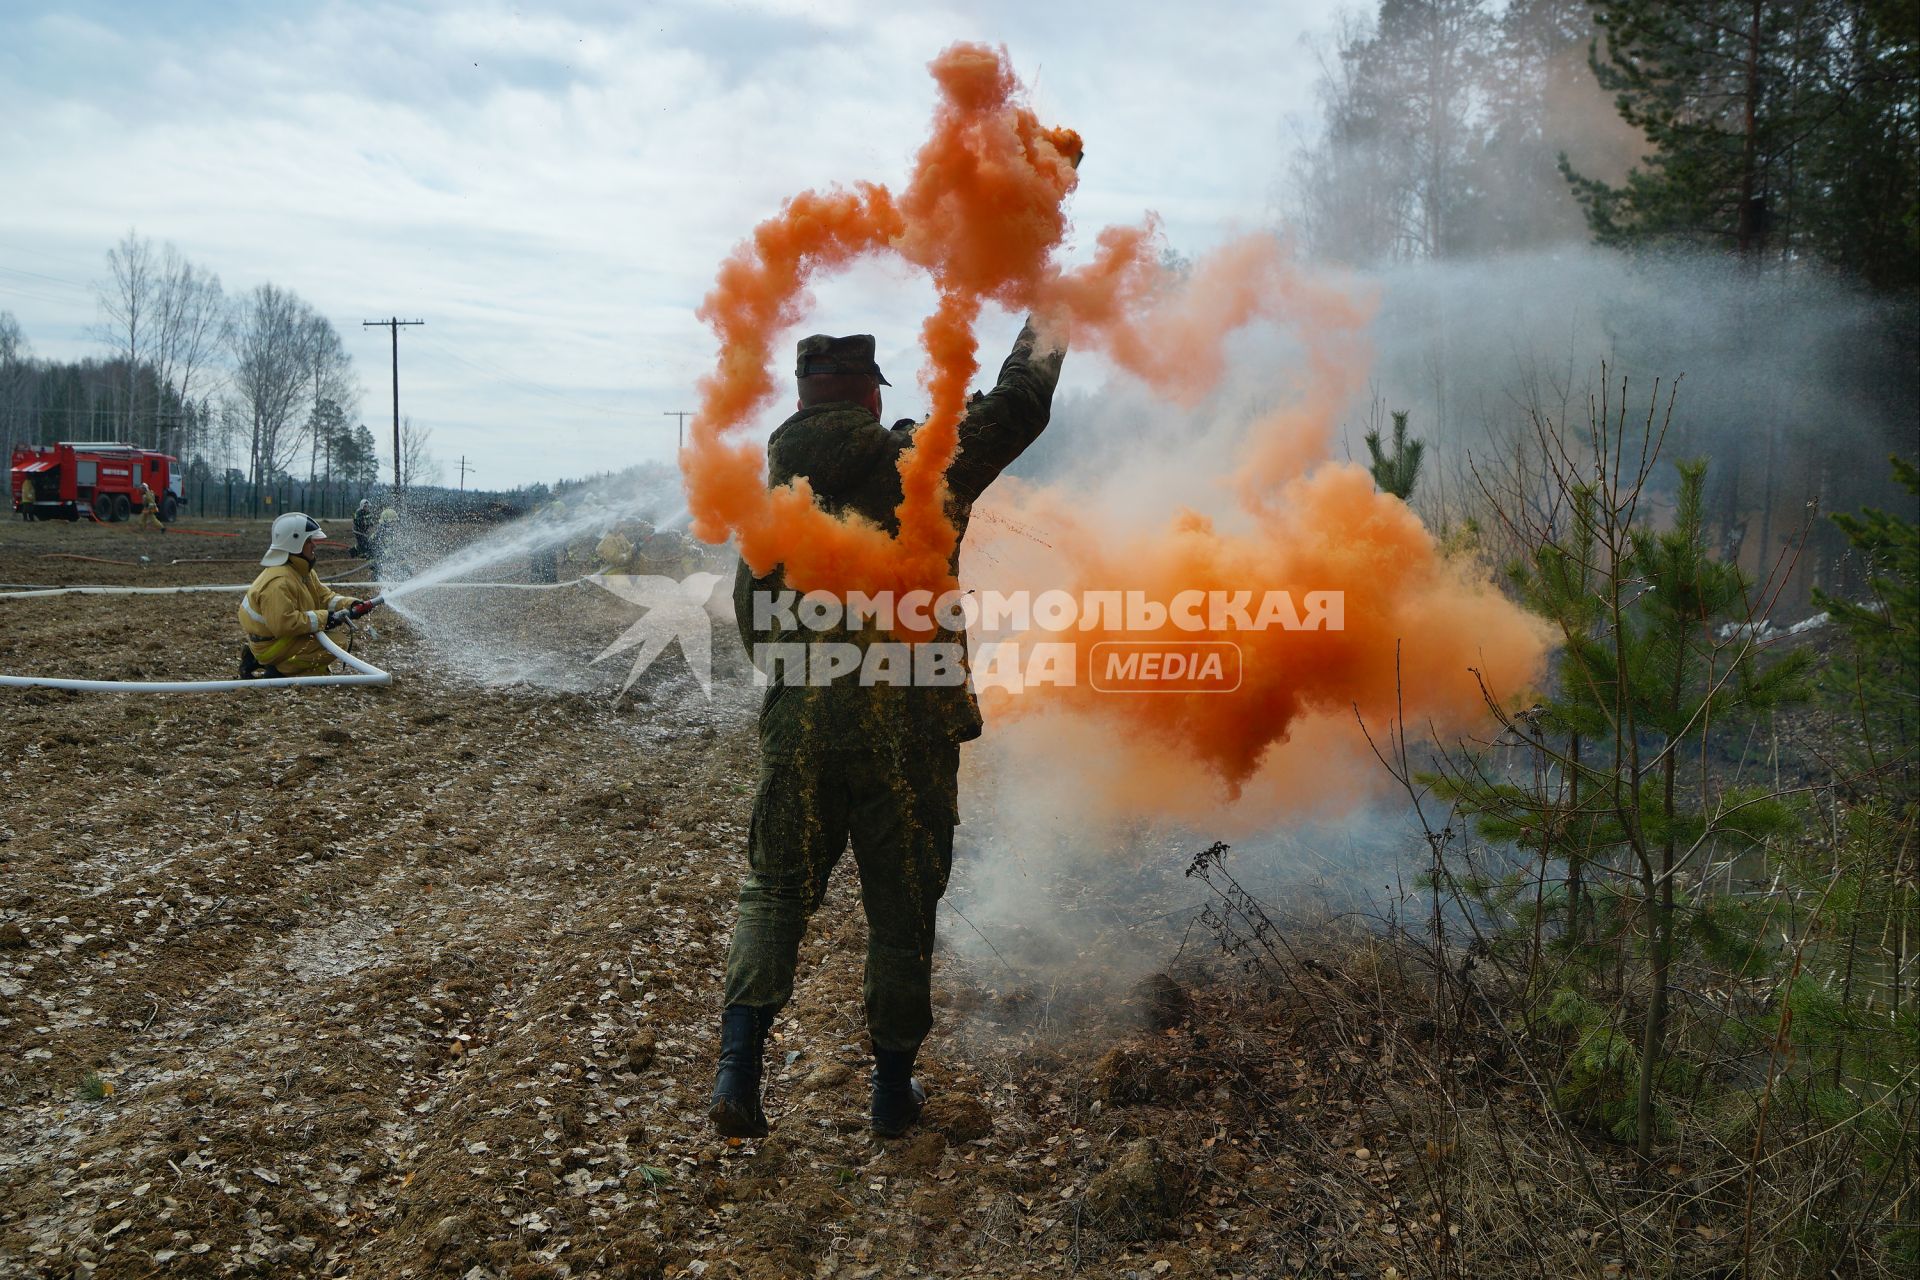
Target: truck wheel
72, 512
103, 507
169, 509
122, 508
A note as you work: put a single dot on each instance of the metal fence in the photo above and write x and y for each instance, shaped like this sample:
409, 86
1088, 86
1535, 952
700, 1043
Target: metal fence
211, 496
214, 496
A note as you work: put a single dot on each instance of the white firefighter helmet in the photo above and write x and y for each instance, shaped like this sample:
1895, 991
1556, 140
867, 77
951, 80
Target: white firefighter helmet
290, 534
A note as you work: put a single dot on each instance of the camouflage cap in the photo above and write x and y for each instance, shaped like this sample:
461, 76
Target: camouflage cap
852, 354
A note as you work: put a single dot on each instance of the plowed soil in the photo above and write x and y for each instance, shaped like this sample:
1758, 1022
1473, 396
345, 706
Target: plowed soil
424, 980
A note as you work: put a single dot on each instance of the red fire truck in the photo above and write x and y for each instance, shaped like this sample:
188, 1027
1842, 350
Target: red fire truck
61, 481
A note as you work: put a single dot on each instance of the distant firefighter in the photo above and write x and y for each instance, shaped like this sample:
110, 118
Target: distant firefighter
383, 544
639, 549
363, 530
668, 553
615, 554
288, 606
149, 509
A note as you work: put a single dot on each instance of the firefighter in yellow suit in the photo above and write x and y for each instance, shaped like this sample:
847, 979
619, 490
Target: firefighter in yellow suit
287, 607
149, 509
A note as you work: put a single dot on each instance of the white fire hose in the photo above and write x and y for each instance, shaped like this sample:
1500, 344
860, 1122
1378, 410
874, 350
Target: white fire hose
242, 586
363, 672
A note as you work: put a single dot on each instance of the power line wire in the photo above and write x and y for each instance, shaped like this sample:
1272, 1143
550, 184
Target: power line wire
18, 271
37, 297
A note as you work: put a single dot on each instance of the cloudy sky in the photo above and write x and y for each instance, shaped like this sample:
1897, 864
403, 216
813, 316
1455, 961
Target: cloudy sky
551, 187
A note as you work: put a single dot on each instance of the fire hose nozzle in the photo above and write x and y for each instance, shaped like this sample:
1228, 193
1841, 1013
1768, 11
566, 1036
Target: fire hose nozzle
361, 608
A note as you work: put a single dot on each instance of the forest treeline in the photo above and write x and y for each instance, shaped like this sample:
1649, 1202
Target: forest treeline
259, 381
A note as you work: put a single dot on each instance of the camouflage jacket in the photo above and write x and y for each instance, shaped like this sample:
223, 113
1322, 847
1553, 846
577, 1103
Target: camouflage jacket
851, 461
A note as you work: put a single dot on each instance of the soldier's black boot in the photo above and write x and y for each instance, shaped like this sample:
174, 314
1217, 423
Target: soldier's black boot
897, 1096
735, 1109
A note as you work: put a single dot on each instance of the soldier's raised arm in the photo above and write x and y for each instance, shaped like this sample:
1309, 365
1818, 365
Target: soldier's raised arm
1001, 424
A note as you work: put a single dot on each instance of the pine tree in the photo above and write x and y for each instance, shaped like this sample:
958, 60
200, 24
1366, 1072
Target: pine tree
1690, 76
1645, 676
1396, 472
1877, 676
1516, 195
1860, 163
1873, 686
1776, 131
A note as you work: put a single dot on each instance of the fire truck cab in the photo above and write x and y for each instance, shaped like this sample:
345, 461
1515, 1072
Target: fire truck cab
63, 481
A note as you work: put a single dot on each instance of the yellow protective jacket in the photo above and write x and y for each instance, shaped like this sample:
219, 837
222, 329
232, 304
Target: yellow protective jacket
616, 554
281, 613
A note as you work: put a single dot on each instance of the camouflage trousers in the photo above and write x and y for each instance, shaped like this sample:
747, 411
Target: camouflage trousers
898, 808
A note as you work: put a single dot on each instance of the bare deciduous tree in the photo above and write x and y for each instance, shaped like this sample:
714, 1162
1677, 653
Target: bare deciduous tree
14, 354
270, 342
330, 376
127, 304
1353, 202
417, 464
12, 341
190, 322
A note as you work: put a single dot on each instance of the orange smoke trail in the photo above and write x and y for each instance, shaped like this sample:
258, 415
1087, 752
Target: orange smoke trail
982, 214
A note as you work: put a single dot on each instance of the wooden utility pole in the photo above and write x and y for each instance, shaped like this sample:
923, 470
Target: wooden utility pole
394, 323
464, 468
680, 433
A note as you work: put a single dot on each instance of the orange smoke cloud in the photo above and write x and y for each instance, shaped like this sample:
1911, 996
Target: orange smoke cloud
983, 215
1418, 624
1414, 621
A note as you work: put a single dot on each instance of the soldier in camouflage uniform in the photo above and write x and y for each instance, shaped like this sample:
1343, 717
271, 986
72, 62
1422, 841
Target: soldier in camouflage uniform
878, 764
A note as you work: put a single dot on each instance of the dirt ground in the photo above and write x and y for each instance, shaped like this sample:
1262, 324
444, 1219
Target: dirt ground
424, 981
